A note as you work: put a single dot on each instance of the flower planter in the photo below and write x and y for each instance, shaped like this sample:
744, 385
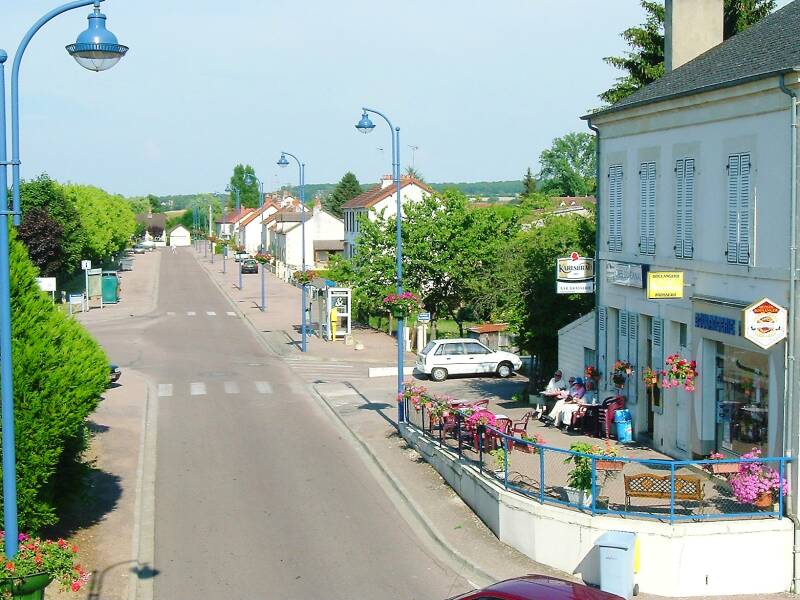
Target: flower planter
30, 587
724, 468
398, 312
619, 380
580, 497
764, 500
609, 465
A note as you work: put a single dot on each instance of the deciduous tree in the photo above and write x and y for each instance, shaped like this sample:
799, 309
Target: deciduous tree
568, 166
43, 237
249, 192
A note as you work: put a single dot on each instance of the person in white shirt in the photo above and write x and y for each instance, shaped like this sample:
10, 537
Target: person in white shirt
555, 385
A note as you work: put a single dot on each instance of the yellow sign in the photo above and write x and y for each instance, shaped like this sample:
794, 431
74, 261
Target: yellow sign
664, 285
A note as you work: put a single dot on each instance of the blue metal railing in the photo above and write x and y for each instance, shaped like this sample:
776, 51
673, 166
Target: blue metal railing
545, 479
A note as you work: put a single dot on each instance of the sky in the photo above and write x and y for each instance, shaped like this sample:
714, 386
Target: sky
479, 88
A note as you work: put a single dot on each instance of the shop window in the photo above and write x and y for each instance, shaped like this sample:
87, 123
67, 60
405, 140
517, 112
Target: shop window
742, 398
683, 335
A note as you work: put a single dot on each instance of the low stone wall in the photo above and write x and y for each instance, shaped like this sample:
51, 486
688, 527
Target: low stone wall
687, 559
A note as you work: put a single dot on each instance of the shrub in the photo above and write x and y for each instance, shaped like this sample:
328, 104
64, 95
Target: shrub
59, 374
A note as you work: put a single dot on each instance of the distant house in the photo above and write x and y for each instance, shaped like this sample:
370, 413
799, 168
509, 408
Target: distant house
228, 225
155, 224
251, 227
180, 236
324, 235
380, 199
560, 206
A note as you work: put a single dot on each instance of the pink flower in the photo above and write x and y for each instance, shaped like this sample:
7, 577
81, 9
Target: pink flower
76, 585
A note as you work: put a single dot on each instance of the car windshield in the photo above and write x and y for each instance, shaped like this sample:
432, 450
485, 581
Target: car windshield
428, 348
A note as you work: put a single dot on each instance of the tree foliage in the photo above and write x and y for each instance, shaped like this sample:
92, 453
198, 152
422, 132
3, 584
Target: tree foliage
248, 192
43, 237
347, 189
528, 184
59, 374
107, 221
48, 195
568, 166
644, 63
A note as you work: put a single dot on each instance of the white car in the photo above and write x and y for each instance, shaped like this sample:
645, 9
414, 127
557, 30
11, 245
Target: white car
463, 356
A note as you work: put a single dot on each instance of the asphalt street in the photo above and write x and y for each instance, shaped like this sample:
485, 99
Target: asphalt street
259, 492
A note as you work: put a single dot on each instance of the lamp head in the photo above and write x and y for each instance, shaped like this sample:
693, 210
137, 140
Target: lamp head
282, 161
97, 49
365, 125
248, 178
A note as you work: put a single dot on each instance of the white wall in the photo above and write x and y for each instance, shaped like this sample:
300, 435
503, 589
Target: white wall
180, 236
572, 339
251, 233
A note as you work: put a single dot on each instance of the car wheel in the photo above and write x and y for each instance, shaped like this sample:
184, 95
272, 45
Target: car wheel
504, 370
439, 374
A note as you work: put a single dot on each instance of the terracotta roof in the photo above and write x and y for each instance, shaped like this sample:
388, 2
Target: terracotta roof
377, 193
489, 328
252, 216
235, 216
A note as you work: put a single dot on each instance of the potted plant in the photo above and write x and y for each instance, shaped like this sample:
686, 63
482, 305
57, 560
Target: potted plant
304, 277
579, 480
534, 438
416, 394
619, 374
263, 258
609, 467
756, 484
502, 461
679, 373
402, 305
593, 373
721, 468
37, 563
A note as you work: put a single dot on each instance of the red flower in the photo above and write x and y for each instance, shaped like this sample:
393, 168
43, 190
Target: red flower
76, 585
10, 567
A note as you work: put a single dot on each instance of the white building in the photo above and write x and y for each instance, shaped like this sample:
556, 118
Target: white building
323, 232
180, 236
380, 199
228, 225
251, 227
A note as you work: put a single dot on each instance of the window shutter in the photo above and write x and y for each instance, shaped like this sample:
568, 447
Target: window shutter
651, 208
733, 208
679, 206
622, 336
601, 342
657, 334
633, 353
688, 207
615, 208
744, 209
643, 208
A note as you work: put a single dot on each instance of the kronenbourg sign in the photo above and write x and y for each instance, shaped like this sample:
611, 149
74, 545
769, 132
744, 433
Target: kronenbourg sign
575, 274
765, 323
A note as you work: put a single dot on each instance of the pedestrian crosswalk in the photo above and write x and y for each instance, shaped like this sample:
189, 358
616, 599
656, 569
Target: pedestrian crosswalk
315, 370
207, 313
231, 388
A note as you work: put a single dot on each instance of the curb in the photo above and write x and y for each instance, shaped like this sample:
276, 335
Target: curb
425, 524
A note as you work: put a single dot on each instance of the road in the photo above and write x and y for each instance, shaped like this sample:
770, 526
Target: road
259, 493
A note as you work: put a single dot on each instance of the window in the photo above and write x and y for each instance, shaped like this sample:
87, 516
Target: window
684, 208
454, 349
428, 348
440, 350
475, 348
647, 208
615, 208
738, 248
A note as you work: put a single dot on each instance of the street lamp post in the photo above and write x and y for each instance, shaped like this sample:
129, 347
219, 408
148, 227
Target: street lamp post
365, 125
96, 49
282, 162
249, 178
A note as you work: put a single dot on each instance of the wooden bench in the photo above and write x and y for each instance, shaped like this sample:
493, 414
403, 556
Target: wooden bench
647, 485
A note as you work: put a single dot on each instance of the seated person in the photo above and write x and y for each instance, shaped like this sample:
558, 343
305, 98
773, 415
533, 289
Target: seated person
555, 385
583, 395
576, 392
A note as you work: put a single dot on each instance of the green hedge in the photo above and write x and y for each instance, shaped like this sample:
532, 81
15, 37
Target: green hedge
60, 373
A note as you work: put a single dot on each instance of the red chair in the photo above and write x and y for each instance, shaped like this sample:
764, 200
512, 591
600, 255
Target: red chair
605, 415
520, 428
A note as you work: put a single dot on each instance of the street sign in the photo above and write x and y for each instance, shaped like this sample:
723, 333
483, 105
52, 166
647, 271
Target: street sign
765, 323
86, 265
575, 274
47, 284
664, 285
424, 317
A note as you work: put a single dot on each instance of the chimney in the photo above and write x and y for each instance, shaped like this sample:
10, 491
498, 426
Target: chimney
386, 181
690, 28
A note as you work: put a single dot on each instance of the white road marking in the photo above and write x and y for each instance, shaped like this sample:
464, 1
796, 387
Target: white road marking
191, 313
230, 314
170, 313
198, 388
164, 389
231, 387
263, 387
211, 313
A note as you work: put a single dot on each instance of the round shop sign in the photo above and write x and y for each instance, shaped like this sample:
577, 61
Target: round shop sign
765, 323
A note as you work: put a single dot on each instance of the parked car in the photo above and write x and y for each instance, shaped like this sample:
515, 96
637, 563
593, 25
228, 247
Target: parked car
537, 587
464, 356
240, 256
250, 265
139, 249
114, 373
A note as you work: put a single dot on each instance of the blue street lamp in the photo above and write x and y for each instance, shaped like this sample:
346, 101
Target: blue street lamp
248, 179
96, 49
365, 125
282, 162
233, 189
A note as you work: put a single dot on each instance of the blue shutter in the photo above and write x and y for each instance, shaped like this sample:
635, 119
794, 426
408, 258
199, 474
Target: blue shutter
744, 209
688, 207
732, 249
679, 206
615, 208
657, 334
633, 354
602, 315
643, 208
651, 208
622, 335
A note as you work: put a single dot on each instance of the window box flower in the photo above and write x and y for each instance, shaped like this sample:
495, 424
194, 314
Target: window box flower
37, 563
402, 305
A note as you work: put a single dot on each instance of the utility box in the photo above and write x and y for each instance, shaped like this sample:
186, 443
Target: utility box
617, 551
110, 289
